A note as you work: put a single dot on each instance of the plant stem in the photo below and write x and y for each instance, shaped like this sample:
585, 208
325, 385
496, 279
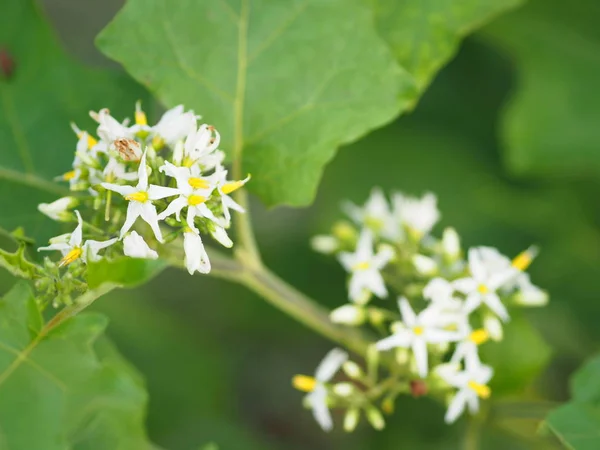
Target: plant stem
472, 434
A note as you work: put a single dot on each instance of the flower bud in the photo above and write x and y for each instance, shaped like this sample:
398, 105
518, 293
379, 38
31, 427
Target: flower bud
451, 243
402, 356
376, 316
375, 418
344, 231
348, 314
59, 209
353, 370
424, 265
343, 389
324, 244
531, 296
493, 326
351, 419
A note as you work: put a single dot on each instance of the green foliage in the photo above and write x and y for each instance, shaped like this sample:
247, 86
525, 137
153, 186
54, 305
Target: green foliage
577, 423
64, 386
287, 116
17, 264
549, 127
518, 359
425, 35
123, 271
37, 101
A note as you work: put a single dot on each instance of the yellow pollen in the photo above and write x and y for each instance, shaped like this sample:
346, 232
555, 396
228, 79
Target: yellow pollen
418, 330
140, 118
523, 259
91, 142
198, 183
69, 175
304, 383
364, 265
140, 196
481, 390
483, 289
194, 200
478, 337
228, 188
73, 255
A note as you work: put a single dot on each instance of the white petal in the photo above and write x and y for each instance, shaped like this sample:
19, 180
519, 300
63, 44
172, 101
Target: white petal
123, 190
473, 402
196, 258
456, 407
496, 305
63, 247
356, 286
318, 401
436, 336
143, 174
174, 207
330, 364
473, 301
465, 285
134, 210
148, 214
158, 192
203, 211
402, 339
408, 315
348, 260
419, 348
364, 247
382, 257
221, 236
91, 248
77, 235
374, 282
135, 246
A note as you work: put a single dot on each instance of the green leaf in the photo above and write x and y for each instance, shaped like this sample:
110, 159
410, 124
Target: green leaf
577, 426
518, 359
17, 264
286, 83
424, 36
549, 125
124, 271
62, 387
45, 92
585, 383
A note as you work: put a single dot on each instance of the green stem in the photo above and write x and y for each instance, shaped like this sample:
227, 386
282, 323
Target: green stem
472, 434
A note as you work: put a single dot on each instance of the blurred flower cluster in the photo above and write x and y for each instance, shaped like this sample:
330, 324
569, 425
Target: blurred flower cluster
135, 187
447, 307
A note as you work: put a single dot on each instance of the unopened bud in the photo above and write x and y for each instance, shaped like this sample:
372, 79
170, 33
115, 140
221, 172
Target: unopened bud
348, 315
353, 370
128, 149
324, 244
424, 264
343, 389
58, 210
531, 296
387, 405
376, 316
344, 231
493, 326
451, 243
375, 418
351, 419
402, 356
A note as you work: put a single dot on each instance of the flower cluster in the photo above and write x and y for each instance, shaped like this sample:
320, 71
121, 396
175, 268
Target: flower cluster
448, 307
138, 186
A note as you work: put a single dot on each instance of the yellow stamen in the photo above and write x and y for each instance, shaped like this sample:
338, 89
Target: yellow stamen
304, 383
418, 330
483, 289
364, 265
228, 188
69, 175
140, 118
198, 183
478, 337
194, 200
140, 196
524, 259
481, 390
73, 255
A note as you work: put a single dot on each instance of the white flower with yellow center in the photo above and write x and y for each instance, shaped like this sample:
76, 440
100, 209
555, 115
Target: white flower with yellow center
418, 215
527, 293
59, 209
73, 248
316, 386
200, 148
375, 215
109, 129
193, 191
224, 188
467, 349
135, 246
472, 385
175, 125
365, 268
196, 258
490, 271
140, 200
416, 331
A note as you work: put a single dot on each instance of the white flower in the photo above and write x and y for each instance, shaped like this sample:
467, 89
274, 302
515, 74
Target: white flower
419, 215
72, 249
175, 124
472, 385
196, 258
348, 314
316, 388
193, 191
135, 247
467, 349
224, 188
57, 210
109, 129
490, 270
200, 147
365, 267
375, 215
416, 332
140, 200
113, 171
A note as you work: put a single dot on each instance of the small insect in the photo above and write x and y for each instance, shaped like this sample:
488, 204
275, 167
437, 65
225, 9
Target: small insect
7, 64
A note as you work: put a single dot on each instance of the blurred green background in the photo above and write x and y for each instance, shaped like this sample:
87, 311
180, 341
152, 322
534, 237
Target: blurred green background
218, 360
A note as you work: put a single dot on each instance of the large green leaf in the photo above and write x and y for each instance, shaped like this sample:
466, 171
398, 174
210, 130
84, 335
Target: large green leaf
577, 423
550, 124
123, 271
65, 388
425, 35
285, 82
45, 92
